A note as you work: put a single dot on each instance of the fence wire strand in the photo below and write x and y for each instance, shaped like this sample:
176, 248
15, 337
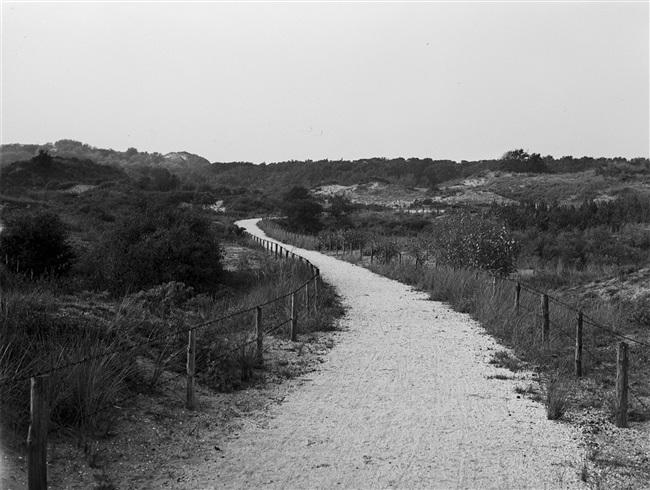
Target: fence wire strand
586, 319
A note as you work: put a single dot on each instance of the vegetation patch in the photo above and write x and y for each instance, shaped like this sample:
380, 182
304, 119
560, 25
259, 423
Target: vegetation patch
506, 360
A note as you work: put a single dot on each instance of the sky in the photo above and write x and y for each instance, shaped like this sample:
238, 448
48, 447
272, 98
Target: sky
276, 81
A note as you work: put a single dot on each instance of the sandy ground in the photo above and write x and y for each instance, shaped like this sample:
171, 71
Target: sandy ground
406, 399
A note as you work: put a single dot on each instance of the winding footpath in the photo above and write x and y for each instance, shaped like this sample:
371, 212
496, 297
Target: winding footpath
406, 399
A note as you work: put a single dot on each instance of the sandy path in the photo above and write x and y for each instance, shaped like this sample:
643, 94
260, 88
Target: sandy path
403, 401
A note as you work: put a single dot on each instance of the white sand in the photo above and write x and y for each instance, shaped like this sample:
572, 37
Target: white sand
403, 400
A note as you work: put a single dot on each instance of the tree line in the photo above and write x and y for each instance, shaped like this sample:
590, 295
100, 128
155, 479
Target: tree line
410, 172
276, 177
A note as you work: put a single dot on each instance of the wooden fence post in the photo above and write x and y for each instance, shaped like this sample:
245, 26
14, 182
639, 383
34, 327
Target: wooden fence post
37, 436
622, 364
517, 297
191, 369
260, 336
294, 318
579, 344
546, 318
494, 286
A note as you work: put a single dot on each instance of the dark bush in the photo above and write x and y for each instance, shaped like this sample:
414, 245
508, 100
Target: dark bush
157, 244
43, 158
302, 211
36, 243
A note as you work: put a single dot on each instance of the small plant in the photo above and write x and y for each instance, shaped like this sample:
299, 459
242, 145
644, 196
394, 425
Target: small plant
500, 376
104, 482
640, 315
528, 390
557, 398
584, 472
506, 360
246, 359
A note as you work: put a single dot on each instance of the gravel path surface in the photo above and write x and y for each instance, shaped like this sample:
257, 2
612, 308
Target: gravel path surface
404, 400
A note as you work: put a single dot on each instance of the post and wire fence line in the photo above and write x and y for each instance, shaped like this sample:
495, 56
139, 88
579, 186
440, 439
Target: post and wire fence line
622, 362
303, 301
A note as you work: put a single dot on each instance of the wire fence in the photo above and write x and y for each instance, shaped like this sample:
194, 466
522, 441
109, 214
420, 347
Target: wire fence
576, 333
243, 339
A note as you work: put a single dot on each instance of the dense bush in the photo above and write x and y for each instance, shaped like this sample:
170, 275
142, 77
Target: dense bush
302, 211
156, 244
36, 243
464, 240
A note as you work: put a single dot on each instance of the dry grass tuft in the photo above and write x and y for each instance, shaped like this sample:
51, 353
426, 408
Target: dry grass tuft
557, 399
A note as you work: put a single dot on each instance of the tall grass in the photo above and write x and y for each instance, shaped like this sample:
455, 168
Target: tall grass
145, 335
37, 335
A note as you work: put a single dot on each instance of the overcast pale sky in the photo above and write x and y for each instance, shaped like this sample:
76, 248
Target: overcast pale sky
278, 81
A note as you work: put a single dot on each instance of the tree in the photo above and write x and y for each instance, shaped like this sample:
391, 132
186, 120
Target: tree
36, 243
340, 209
130, 152
521, 161
302, 211
43, 158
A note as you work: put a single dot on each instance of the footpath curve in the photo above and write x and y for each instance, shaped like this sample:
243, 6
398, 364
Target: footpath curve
406, 399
